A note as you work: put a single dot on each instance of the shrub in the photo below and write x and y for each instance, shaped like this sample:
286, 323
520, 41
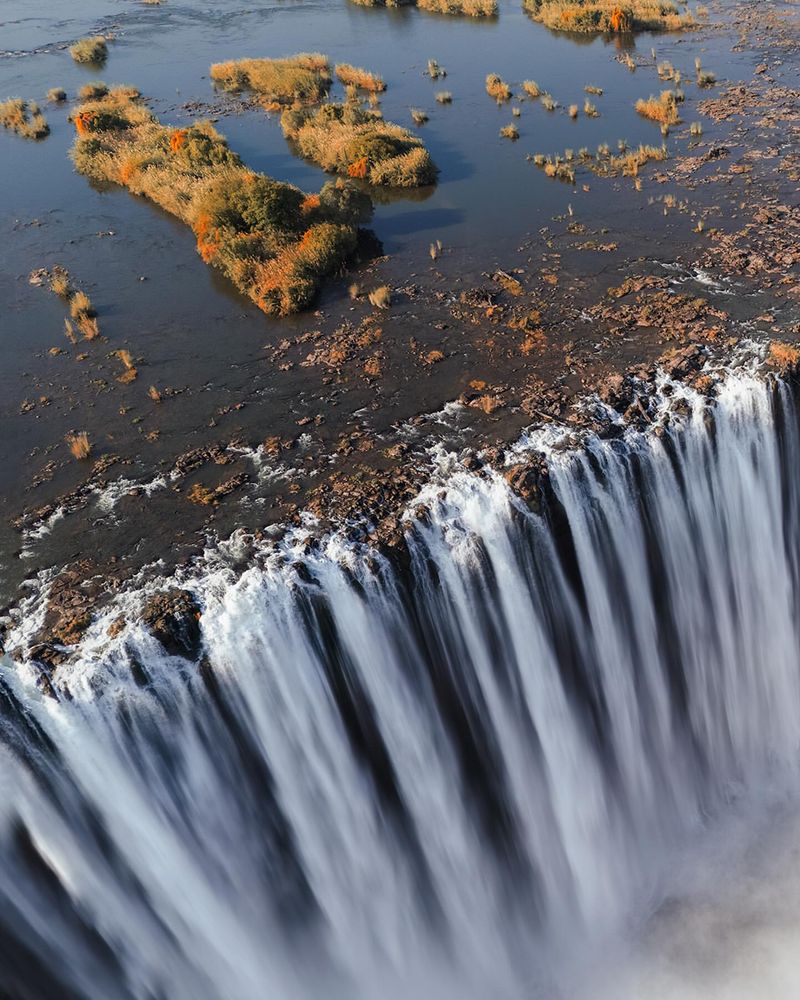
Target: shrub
510, 132
56, 95
304, 78
92, 91
497, 88
90, 50
352, 76
531, 88
419, 117
272, 241
24, 118
349, 140
663, 109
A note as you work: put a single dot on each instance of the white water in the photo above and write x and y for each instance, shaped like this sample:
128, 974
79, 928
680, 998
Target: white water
478, 780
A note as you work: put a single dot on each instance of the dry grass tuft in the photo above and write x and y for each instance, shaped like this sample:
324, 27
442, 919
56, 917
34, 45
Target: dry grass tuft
304, 78
381, 297
90, 50
24, 118
435, 71
361, 79
444, 97
346, 139
79, 445
663, 109
60, 283
56, 95
92, 91
532, 88
617, 17
497, 89
573, 111
510, 132
418, 116
271, 240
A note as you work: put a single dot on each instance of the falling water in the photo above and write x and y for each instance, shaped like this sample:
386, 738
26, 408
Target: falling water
461, 779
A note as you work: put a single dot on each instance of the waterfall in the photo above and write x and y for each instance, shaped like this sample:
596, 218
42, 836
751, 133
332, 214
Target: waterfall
459, 779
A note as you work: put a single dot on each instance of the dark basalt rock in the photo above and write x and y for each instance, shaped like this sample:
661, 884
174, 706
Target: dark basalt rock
173, 617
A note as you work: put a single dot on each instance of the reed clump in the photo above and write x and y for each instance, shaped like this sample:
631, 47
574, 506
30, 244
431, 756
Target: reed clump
275, 243
510, 132
56, 95
347, 139
304, 78
24, 117
608, 16
419, 116
92, 91
361, 79
444, 97
628, 163
79, 445
497, 89
90, 50
663, 109
532, 88
381, 297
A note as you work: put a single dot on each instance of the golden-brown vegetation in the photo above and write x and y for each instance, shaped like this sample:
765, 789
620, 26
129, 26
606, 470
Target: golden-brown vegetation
628, 163
26, 119
271, 240
346, 139
783, 356
381, 297
663, 109
469, 8
610, 16
361, 79
304, 78
90, 50
79, 445
92, 91
435, 71
56, 95
419, 116
510, 132
497, 89
532, 88
444, 97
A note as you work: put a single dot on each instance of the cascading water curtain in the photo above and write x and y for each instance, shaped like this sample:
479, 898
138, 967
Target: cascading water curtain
454, 781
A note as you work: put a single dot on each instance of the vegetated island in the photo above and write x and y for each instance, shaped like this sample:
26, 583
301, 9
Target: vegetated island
273, 241
608, 15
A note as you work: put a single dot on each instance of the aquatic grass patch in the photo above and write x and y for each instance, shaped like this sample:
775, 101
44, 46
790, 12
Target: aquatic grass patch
466, 8
361, 79
304, 78
497, 89
24, 117
603, 163
510, 132
273, 241
90, 50
79, 445
608, 16
662, 109
347, 139
56, 95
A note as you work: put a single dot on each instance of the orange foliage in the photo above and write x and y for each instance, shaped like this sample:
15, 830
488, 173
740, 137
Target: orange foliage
359, 168
178, 139
208, 242
310, 203
83, 122
619, 20
784, 356
126, 170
